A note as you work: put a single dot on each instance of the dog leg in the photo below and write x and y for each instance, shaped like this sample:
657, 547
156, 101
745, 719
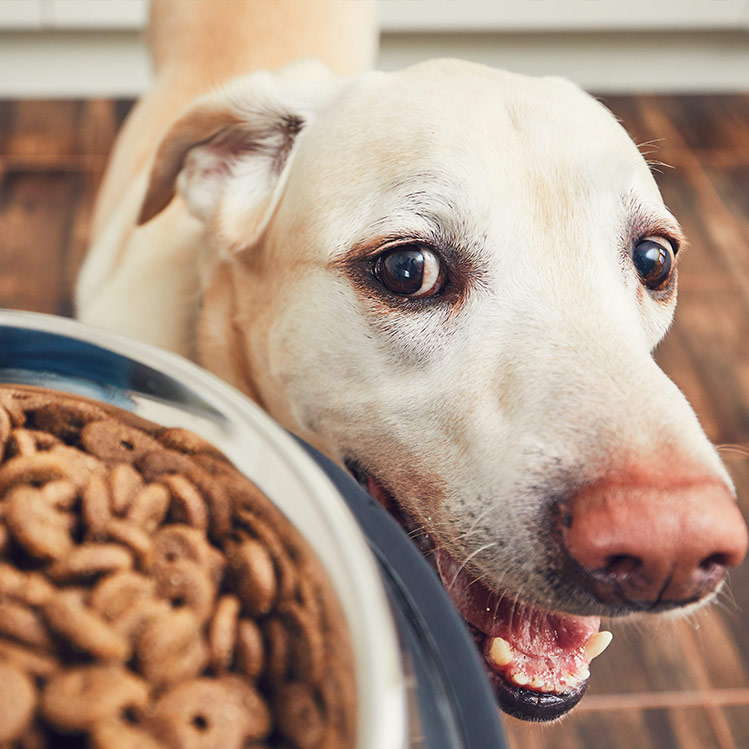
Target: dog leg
196, 46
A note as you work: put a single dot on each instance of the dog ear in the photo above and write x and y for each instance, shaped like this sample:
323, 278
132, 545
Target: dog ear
245, 131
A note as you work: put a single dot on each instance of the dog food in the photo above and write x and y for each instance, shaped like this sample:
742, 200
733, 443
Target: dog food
151, 596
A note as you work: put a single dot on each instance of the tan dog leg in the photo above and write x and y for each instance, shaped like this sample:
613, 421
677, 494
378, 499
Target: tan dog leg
199, 44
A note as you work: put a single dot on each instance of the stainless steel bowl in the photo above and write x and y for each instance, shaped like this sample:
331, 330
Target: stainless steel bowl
59, 353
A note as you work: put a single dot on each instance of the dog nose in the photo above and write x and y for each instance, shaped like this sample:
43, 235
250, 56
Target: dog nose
653, 546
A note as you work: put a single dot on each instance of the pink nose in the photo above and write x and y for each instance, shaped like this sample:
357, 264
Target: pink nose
654, 544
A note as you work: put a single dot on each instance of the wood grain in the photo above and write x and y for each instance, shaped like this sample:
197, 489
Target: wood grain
662, 683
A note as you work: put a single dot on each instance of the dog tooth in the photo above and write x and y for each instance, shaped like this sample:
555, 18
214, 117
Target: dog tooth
536, 683
597, 644
584, 674
501, 652
519, 678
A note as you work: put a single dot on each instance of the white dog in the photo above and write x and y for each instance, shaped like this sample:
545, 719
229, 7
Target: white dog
450, 279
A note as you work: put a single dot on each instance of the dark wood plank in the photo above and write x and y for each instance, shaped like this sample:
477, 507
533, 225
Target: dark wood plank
36, 219
731, 183
39, 129
711, 250
60, 135
708, 121
665, 728
633, 115
738, 720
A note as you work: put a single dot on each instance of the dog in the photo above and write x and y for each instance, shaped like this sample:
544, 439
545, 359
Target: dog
450, 279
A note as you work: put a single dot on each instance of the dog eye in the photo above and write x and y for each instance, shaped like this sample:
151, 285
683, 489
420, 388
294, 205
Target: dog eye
654, 260
411, 270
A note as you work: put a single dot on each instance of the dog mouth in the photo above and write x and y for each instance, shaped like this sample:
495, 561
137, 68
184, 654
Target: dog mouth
537, 660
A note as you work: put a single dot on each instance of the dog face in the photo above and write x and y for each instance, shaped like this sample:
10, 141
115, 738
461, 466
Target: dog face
451, 280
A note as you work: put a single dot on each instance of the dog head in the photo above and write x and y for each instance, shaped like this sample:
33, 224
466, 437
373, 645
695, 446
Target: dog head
451, 280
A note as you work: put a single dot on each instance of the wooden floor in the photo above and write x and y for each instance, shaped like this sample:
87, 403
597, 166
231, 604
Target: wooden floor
662, 684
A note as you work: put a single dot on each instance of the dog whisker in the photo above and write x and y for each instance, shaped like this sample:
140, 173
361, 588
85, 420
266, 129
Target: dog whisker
473, 527
653, 142
417, 532
471, 556
726, 599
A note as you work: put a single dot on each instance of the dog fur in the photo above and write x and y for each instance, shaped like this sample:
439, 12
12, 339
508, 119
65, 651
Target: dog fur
240, 234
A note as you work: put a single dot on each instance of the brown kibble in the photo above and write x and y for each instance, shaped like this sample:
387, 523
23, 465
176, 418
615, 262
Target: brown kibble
215, 494
339, 702
149, 507
62, 494
253, 576
33, 739
23, 624
188, 443
26, 587
79, 465
181, 542
17, 402
27, 659
115, 442
249, 655
159, 465
35, 470
185, 583
116, 733
17, 702
170, 648
21, 442
143, 552
133, 537
84, 628
64, 419
30, 441
133, 620
306, 643
242, 492
285, 567
216, 565
82, 697
96, 505
187, 504
277, 652
41, 529
90, 560
117, 593
307, 596
216, 498
298, 716
162, 462
5, 429
222, 633
124, 483
44, 440
254, 708
224, 713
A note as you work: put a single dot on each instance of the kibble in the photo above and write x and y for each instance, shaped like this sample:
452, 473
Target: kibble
151, 596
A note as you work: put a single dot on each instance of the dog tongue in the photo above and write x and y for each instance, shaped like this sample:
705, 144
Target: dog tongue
525, 646
529, 646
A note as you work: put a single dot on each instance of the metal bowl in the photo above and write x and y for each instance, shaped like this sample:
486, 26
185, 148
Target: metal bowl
58, 353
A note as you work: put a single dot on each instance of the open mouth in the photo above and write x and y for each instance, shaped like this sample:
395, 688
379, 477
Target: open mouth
537, 660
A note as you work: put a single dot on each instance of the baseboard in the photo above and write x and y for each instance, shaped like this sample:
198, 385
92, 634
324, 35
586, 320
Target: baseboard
62, 64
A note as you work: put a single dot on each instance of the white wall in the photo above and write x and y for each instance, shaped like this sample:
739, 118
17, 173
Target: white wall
70, 48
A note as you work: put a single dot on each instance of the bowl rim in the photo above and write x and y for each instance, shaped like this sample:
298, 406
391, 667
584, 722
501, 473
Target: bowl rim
382, 716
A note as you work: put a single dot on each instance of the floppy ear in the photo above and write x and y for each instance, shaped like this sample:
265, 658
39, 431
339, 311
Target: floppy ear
244, 132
